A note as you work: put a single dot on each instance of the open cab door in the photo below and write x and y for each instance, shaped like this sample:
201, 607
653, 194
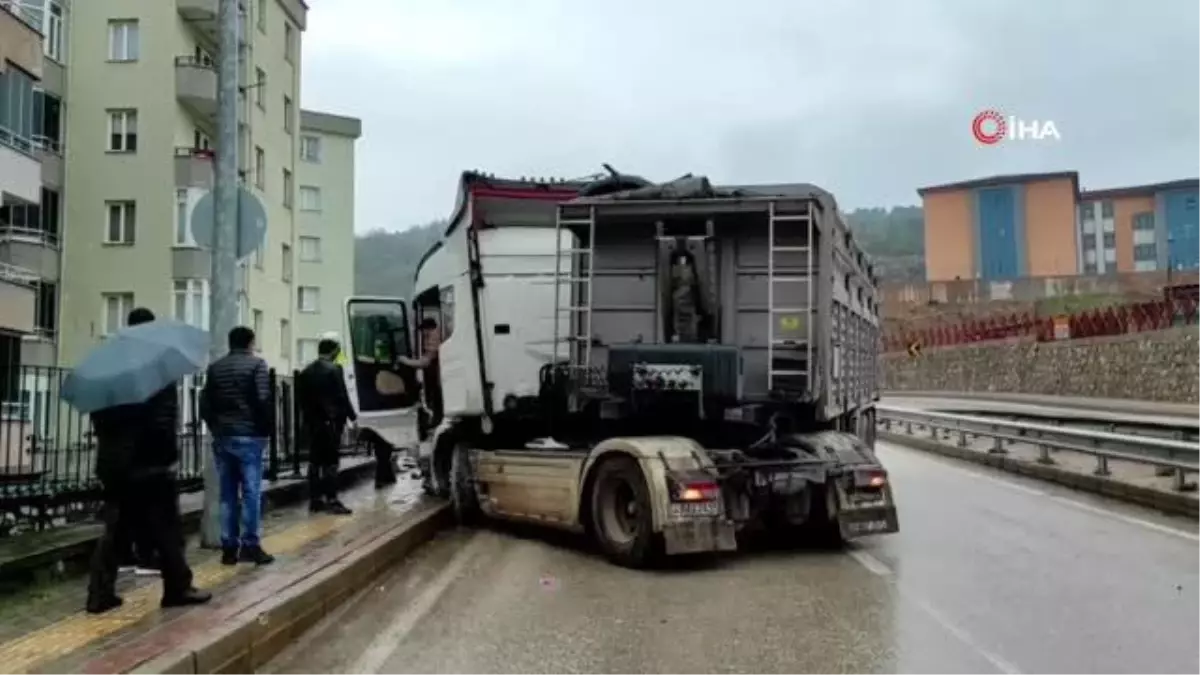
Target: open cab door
385, 393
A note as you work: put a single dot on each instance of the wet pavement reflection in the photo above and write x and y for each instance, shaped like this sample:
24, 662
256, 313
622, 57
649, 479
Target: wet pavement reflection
988, 574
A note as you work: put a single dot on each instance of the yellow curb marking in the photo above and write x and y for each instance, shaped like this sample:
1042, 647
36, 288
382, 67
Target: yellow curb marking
80, 629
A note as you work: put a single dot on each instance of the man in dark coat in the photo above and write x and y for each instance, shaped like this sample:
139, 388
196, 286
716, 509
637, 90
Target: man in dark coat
326, 407
136, 451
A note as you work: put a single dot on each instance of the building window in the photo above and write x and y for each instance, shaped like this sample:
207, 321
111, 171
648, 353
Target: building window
447, 306
310, 198
1107, 225
260, 169
50, 213
1110, 258
1086, 211
1110, 240
117, 307
306, 350
202, 57
1089, 243
310, 149
256, 322
122, 222
1145, 265
1145, 252
286, 274
1089, 227
122, 131
260, 88
1089, 268
45, 317
287, 189
123, 40
289, 43
260, 256
183, 234
201, 141
288, 114
309, 299
1143, 221
285, 338
310, 249
192, 299
1106, 209
48, 119
262, 16
52, 44
17, 108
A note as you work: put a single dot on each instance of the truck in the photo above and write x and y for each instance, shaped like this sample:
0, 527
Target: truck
668, 368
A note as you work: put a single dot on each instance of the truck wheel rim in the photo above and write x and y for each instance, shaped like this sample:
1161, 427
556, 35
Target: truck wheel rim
619, 511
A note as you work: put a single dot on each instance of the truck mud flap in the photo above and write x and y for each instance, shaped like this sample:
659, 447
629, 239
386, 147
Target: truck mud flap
699, 536
870, 520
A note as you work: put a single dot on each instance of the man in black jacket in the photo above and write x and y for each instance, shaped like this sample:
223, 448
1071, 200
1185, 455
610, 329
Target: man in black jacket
137, 448
326, 407
236, 406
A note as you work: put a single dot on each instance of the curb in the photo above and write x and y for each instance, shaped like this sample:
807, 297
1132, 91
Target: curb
1174, 504
80, 546
257, 634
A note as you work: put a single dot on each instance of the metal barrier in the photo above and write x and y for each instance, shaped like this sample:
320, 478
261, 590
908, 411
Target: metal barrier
1178, 457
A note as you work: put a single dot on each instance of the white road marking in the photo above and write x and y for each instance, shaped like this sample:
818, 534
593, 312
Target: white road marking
873, 564
876, 567
1130, 520
999, 663
386, 641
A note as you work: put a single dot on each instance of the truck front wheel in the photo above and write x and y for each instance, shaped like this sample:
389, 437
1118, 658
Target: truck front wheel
463, 496
622, 522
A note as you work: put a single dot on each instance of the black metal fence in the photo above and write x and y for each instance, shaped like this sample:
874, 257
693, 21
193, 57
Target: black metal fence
48, 449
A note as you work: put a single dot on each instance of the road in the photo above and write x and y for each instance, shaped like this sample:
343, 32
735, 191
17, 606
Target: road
988, 574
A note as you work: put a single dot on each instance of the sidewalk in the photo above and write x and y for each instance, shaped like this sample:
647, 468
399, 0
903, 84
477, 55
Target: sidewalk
46, 629
27, 555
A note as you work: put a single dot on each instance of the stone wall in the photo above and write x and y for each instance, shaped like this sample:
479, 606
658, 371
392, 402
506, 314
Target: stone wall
1151, 366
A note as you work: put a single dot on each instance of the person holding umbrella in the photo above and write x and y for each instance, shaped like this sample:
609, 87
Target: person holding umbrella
128, 386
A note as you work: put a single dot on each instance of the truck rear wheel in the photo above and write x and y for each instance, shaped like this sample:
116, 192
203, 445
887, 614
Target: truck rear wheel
622, 522
463, 497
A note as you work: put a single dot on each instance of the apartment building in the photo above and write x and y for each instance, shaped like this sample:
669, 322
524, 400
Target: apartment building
1042, 225
324, 251
140, 123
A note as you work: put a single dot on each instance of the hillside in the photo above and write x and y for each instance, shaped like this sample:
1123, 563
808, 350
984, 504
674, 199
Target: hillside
385, 262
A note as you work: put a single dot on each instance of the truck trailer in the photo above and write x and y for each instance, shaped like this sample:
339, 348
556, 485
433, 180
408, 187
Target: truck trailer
669, 368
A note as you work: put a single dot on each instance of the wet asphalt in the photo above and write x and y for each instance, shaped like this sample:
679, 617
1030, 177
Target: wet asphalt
989, 573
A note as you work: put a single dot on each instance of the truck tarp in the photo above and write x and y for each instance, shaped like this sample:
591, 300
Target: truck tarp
690, 187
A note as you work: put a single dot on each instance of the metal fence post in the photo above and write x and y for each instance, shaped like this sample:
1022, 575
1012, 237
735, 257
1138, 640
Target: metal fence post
273, 440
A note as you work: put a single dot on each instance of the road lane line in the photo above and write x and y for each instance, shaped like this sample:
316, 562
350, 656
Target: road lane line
387, 640
1130, 520
876, 567
873, 564
999, 663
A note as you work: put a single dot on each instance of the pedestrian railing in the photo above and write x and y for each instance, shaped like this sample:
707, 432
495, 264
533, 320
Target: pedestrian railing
48, 449
1174, 457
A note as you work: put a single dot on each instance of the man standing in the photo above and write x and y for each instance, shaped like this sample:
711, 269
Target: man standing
137, 448
326, 407
236, 406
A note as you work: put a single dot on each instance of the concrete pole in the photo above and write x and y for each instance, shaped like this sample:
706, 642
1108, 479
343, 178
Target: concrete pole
222, 281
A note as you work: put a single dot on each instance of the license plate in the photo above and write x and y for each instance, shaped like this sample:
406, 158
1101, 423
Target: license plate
868, 527
695, 509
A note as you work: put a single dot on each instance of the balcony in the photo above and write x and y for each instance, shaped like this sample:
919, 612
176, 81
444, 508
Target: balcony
17, 299
20, 40
50, 153
196, 85
20, 171
197, 10
194, 168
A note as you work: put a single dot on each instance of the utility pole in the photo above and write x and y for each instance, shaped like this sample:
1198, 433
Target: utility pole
222, 279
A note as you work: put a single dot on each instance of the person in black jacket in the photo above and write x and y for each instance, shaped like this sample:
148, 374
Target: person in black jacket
236, 406
326, 407
137, 448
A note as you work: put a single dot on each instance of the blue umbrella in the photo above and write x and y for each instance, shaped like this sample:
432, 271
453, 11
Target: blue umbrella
136, 363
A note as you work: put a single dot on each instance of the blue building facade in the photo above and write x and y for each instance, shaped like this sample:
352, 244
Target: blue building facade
999, 225
1180, 218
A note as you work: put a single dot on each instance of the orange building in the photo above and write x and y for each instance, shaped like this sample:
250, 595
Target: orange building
1003, 227
1142, 228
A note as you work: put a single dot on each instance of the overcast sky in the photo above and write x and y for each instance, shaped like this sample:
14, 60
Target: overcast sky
869, 99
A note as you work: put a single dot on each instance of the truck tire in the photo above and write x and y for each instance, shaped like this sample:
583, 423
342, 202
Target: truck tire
824, 527
463, 497
621, 518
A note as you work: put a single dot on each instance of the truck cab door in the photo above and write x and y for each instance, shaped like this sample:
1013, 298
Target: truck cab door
384, 393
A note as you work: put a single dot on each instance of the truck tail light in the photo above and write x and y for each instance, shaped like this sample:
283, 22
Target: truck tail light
873, 479
694, 489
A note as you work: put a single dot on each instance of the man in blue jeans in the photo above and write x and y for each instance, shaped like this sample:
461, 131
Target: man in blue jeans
236, 406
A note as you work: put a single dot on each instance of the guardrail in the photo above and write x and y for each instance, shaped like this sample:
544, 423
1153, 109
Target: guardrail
1175, 457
